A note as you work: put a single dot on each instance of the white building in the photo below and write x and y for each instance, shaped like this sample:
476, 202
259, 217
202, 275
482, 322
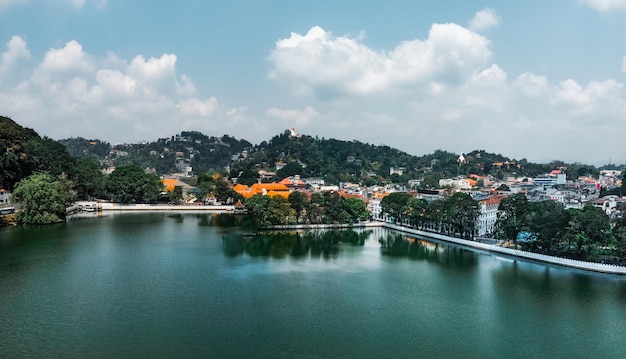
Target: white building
488, 215
374, 207
4, 197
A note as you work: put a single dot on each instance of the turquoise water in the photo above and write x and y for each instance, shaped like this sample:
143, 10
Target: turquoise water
159, 285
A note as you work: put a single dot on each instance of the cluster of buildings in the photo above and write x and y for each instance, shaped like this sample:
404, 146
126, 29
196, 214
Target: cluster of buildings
488, 191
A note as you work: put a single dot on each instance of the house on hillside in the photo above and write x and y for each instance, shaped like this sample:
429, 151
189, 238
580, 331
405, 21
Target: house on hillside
5, 198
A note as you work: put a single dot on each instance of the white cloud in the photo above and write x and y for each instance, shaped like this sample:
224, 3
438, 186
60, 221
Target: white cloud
531, 84
5, 4
73, 93
294, 117
330, 66
484, 19
71, 57
606, 5
605, 97
16, 51
197, 108
77, 3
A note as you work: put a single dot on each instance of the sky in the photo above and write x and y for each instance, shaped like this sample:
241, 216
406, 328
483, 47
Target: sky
535, 79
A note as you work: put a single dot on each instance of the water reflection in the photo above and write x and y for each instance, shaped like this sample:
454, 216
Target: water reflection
280, 244
399, 245
225, 220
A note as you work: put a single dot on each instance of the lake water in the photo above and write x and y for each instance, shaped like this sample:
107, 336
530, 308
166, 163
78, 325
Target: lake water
163, 285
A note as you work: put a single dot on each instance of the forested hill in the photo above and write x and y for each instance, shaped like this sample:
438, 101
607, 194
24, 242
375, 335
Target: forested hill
331, 159
354, 161
24, 152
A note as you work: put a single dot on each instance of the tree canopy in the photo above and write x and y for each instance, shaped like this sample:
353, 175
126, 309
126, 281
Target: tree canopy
43, 197
131, 184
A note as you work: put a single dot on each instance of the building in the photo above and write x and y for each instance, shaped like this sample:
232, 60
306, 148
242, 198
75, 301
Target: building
554, 178
488, 215
396, 170
5, 199
269, 189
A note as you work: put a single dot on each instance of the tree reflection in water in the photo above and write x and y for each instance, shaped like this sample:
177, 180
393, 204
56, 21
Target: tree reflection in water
399, 245
279, 244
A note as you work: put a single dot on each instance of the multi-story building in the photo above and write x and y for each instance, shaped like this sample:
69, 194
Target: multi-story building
488, 215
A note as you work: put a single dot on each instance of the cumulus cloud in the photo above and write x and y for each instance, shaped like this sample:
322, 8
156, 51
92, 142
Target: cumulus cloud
326, 65
597, 97
606, 5
16, 51
440, 92
70, 92
70, 57
484, 19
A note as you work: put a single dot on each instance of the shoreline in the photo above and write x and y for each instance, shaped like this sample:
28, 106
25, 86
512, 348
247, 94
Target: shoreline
163, 207
489, 248
516, 253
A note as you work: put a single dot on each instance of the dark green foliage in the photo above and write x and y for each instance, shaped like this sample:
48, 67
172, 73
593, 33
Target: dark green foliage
512, 217
297, 201
290, 169
395, 204
80, 147
130, 184
24, 153
88, 178
44, 199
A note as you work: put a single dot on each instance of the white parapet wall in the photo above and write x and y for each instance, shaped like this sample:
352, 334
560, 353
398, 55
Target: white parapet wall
162, 207
572, 263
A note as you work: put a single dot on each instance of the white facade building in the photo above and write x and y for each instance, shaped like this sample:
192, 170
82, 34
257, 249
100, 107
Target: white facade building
488, 215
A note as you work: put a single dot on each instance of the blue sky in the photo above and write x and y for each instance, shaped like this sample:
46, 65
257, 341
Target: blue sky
541, 80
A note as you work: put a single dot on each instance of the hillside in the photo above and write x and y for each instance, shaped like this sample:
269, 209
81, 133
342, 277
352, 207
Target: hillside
25, 152
285, 154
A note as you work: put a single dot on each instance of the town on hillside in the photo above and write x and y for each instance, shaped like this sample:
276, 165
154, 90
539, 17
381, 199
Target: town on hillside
193, 169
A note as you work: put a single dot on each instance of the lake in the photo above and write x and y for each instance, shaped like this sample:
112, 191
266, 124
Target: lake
187, 285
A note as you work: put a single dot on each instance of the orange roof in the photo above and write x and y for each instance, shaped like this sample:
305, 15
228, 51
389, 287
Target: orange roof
493, 200
240, 187
278, 193
169, 183
472, 182
259, 187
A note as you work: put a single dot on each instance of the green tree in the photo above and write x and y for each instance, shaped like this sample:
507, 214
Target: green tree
512, 217
290, 169
588, 229
620, 239
297, 201
43, 198
461, 212
314, 209
395, 204
356, 209
88, 178
279, 212
130, 184
46, 154
333, 208
418, 209
257, 204
547, 220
